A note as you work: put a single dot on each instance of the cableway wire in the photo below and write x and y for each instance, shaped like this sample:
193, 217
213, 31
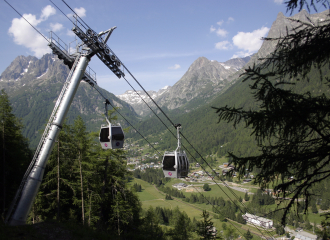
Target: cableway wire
27, 21
77, 15
224, 183
215, 206
61, 11
149, 107
127, 121
217, 209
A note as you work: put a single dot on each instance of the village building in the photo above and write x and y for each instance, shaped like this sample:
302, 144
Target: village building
179, 186
305, 236
259, 221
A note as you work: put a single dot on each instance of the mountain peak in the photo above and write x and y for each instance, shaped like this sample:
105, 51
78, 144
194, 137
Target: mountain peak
280, 15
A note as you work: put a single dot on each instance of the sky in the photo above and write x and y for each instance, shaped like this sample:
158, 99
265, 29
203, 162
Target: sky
156, 40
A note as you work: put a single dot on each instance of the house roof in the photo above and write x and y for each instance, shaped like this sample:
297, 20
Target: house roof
258, 218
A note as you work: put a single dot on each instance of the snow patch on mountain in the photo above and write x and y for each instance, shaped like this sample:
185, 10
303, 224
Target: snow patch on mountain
135, 98
225, 66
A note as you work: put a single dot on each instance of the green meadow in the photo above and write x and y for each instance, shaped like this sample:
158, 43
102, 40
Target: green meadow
150, 196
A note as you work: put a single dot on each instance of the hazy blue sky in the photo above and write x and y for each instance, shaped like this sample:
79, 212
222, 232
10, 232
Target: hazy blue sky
156, 40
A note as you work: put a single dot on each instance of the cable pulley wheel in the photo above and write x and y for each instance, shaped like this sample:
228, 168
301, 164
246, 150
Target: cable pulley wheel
113, 57
90, 32
118, 63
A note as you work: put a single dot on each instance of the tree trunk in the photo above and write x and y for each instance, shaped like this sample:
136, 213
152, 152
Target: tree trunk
82, 191
58, 180
118, 219
90, 206
4, 168
105, 181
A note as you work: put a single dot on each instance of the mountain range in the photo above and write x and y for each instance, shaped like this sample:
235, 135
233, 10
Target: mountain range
204, 78
33, 86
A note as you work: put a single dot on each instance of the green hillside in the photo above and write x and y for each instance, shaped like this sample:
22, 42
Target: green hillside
201, 127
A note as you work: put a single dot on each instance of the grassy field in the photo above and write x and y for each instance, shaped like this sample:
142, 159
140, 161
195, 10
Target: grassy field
216, 190
150, 196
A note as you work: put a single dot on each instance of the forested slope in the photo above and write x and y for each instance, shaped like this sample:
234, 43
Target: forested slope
201, 126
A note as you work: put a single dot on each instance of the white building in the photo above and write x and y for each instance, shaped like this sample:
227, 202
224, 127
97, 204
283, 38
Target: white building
259, 221
305, 236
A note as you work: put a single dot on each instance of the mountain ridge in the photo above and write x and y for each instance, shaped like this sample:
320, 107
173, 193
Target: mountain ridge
33, 86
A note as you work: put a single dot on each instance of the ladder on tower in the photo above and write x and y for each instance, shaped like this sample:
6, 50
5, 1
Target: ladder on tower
42, 141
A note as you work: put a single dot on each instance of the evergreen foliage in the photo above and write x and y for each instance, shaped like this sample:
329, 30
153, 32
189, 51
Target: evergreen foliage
15, 154
205, 227
246, 197
206, 187
290, 126
248, 235
168, 197
87, 184
137, 187
230, 233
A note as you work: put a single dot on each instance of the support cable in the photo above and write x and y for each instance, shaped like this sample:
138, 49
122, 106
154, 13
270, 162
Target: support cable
216, 207
127, 121
234, 194
150, 107
61, 11
217, 210
27, 21
77, 16
224, 183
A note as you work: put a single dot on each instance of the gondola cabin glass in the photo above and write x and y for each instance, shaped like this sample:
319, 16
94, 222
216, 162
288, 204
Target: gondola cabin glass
111, 137
175, 165
117, 137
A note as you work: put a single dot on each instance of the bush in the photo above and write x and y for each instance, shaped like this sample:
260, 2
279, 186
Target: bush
206, 187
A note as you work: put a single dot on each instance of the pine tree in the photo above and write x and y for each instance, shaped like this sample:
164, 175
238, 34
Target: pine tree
150, 227
240, 219
205, 226
14, 152
290, 125
182, 228
58, 187
248, 235
82, 146
246, 197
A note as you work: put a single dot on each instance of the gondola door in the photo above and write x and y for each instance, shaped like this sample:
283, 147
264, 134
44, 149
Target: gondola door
169, 165
105, 137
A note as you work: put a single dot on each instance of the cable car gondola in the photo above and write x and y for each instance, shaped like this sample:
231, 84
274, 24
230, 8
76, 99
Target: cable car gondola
111, 136
176, 164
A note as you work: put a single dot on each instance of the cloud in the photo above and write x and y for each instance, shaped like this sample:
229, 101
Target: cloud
56, 27
23, 34
278, 1
241, 54
80, 11
176, 66
224, 45
47, 12
250, 41
220, 22
212, 29
221, 32
230, 19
